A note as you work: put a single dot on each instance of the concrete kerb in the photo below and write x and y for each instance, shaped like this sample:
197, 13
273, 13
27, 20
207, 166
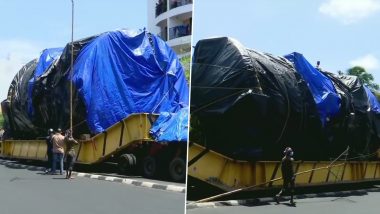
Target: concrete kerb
263, 201
127, 181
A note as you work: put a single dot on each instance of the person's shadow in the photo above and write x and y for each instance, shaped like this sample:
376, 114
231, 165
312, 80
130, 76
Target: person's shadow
290, 204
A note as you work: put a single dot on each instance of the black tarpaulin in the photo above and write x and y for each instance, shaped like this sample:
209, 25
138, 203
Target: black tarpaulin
15, 107
51, 94
251, 104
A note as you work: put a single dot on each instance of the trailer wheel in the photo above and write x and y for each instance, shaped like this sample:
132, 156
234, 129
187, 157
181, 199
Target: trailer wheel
126, 163
149, 166
177, 169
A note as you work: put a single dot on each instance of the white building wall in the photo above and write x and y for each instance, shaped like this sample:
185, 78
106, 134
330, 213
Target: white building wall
152, 17
171, 18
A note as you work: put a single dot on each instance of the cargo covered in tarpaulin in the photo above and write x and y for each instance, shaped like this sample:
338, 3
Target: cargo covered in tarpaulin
322, 88
361, 117
48, 56
251, 105
115, 74
171, 126
14, 108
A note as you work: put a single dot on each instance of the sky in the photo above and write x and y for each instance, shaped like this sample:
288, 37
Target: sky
29, 26
339, 33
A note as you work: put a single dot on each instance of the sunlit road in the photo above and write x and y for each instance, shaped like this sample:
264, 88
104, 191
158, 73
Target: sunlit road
346, 205
27, 192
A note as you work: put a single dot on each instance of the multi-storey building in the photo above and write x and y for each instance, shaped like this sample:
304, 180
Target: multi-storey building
172, 20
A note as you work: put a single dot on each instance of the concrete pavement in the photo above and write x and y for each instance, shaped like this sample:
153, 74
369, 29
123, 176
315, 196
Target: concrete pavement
24, 191
113, 177
369, 203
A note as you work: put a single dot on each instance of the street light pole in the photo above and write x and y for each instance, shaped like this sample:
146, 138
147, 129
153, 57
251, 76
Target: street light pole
71, 66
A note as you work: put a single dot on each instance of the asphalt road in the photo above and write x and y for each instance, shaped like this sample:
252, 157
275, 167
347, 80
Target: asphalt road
346, 205
30, 192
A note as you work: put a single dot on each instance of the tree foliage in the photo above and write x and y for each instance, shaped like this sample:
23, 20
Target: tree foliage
365, 77
185, 61
1, 120
377, 94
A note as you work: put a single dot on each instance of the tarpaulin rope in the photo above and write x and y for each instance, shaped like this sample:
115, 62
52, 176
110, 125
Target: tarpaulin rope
339, 169
159, 103
242, 89
216, 101
218, 87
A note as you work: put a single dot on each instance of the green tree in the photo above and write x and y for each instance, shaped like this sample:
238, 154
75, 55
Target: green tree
377, 94
366, 78
185, 61
1, 120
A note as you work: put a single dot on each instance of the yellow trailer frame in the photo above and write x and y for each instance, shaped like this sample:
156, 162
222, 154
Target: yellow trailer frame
132, 130
229, 174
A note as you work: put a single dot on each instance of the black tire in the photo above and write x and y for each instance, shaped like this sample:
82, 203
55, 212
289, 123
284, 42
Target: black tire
134, 160
149, 167
177, 169
126, 163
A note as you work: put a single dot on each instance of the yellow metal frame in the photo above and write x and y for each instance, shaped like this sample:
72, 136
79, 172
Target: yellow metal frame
227, 174
133, 129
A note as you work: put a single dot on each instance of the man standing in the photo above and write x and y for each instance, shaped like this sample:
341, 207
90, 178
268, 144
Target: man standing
49, 151
58, 151
70, 153
287, 175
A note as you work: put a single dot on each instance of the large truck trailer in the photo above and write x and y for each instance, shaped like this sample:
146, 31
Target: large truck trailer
127, 143
248, 106
129, 103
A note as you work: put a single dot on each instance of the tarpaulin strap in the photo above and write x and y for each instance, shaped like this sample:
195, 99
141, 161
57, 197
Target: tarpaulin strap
80, 123
218, 66
345, 153
164, 97
222, 88
218, 100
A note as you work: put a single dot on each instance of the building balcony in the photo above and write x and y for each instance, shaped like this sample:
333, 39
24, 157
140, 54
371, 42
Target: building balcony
161, 6
179, 31
181, 45
163, 35
179, 3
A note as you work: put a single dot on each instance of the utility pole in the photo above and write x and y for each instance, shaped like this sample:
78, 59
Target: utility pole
71, 66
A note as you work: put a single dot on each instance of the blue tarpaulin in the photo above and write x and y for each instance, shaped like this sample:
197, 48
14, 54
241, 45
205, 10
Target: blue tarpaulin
46, 58
124, 72
374, 104
171, 127
321, 87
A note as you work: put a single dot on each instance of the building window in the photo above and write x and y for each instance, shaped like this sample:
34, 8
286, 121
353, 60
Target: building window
178, 3
161, 7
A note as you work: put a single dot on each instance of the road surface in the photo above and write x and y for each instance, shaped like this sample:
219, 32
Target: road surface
30, 192
345, 205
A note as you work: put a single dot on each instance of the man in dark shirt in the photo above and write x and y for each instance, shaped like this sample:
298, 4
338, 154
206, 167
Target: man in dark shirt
70, 142
287, 175
49, 151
